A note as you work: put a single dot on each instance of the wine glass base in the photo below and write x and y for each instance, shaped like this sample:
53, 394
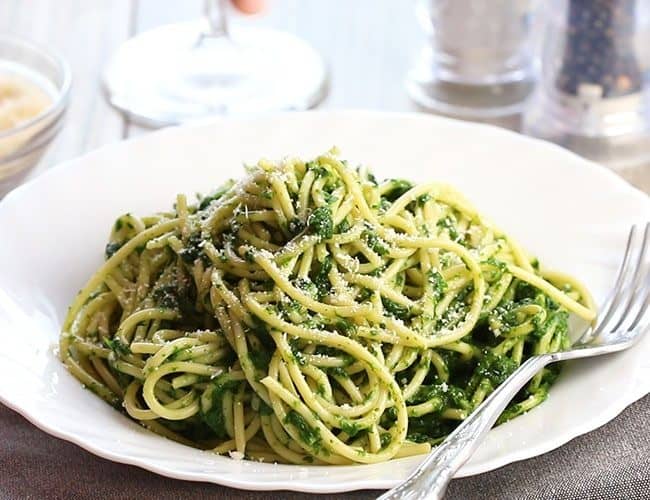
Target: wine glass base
173, 74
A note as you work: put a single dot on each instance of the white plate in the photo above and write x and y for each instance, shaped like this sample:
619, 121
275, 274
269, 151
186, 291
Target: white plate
573, 214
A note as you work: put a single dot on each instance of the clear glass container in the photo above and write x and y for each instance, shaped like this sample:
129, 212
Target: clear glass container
594, 96
184, 72
22, 146
480, 60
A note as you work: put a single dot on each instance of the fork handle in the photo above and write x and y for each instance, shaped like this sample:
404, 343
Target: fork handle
430, 479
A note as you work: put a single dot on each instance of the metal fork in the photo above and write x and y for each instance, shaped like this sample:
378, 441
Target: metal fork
622, 323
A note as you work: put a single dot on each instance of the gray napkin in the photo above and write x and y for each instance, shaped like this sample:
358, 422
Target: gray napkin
609, 463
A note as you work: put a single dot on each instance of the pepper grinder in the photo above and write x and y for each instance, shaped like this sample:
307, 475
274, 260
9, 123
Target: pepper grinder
594, 94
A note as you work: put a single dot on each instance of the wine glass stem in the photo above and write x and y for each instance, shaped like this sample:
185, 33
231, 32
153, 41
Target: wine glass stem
215, 13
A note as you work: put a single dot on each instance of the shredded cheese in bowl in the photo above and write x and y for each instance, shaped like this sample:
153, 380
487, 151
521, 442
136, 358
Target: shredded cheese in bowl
21, 99
34, 92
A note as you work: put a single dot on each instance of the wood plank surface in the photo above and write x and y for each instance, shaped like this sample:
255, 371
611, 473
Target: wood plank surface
369, 46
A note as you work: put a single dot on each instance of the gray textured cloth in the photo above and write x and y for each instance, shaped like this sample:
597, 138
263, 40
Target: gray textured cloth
612, 462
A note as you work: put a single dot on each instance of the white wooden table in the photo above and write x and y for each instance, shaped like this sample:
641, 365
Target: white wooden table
368, 44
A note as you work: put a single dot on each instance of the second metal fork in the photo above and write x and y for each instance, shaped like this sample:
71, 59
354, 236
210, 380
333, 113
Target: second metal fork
623, 321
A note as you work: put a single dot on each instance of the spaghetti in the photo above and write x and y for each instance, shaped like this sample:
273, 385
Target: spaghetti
310, 314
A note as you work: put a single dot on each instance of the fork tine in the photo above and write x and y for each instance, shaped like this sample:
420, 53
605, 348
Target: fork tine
644, 293
610, 305
644, 304
629, 296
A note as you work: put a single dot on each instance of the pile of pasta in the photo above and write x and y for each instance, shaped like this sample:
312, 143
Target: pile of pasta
309, 313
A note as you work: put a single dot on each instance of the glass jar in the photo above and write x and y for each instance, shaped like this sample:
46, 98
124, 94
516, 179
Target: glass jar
480, 59
594, 95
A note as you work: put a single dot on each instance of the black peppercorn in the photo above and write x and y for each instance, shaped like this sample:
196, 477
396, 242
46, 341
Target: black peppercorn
599, 54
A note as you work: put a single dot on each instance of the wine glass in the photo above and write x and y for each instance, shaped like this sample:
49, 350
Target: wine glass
184, 72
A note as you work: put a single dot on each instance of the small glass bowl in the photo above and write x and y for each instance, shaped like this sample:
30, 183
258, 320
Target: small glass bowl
21, 147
